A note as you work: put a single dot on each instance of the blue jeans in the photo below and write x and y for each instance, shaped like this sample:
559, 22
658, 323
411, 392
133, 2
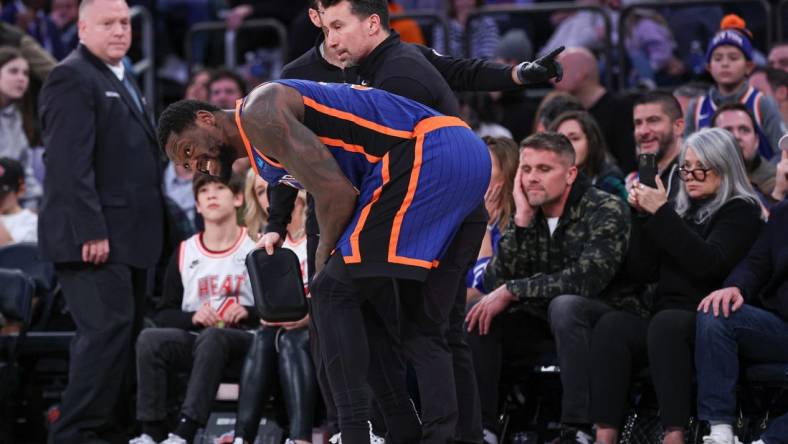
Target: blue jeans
758, 336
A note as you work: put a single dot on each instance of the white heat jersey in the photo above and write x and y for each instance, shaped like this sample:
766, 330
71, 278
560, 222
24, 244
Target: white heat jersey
215, 277
299, 248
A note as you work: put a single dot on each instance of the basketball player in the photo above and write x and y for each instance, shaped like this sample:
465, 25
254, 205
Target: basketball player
392, 180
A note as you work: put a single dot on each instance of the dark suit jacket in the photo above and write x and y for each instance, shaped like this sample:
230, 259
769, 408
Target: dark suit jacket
763, 274
103, 166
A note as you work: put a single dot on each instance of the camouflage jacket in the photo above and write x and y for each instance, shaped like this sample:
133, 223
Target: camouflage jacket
581, 257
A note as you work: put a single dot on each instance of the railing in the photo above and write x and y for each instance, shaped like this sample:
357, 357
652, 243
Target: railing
146, 65
625, 12
547, 8
231, 37
427, 16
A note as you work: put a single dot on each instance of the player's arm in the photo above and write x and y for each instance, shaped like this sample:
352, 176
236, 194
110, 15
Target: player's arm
272, 117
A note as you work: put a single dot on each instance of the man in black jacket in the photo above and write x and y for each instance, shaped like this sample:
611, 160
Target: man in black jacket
358, 37
748, 318
102, 217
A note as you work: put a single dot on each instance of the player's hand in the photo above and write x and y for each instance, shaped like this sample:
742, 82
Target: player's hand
542, 69
524, 212
269, 241
206, 316
287, 325
95, 251
234, 314
489, 307
726, 300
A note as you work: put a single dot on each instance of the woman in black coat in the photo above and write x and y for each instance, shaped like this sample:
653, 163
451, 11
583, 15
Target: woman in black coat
687, 249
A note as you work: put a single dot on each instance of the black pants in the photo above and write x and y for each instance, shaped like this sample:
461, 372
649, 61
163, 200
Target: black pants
434, 341
518, 335
623, 343
207, 357
106, 303
360, 350
286, 352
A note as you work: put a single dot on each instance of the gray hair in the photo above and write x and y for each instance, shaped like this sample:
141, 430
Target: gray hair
716, 149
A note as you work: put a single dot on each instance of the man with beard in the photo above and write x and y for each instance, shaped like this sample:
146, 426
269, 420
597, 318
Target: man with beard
659, 125
391, 187
550, 277
738, 119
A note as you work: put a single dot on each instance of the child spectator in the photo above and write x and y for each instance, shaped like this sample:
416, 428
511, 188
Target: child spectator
17, 224
729, 60
206, 308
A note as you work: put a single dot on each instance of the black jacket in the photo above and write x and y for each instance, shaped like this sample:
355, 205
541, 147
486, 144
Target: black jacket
763, 275
689, 260
103, 166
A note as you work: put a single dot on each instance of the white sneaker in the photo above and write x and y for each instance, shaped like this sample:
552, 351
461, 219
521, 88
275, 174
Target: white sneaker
490, 437
373, 438
142, 439
174, 439
336, 438
716, 439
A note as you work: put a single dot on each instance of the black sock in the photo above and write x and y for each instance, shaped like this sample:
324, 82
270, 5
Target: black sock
187, 428
155, 429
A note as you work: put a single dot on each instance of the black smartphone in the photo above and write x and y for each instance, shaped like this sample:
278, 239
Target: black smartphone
647, 169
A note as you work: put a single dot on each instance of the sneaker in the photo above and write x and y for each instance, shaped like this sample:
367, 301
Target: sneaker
373, 438
490, 437
174, 439
336, 438
572, 435
714, 439
142, 439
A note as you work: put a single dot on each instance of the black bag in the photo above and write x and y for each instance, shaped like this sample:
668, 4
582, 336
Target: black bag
277, 285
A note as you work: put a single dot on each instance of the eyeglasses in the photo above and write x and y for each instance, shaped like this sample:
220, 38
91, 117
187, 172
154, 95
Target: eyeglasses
698, 174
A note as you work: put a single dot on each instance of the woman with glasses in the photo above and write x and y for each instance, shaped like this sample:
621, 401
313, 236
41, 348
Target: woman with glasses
686, 249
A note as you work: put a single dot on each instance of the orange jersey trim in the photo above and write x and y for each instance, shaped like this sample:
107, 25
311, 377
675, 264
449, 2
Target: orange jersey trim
397, 225
350, 148
249, 147
355, 256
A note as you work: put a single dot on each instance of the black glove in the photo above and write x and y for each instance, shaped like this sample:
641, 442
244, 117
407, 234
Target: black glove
541, 69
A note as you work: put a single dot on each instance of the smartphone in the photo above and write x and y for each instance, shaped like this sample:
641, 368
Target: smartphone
647, 169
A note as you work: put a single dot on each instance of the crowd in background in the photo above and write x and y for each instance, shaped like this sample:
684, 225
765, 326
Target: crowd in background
620, 276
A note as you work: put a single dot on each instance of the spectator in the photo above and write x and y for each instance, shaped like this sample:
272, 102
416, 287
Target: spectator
255, 216
476, 38
552, 105
102, 218
17, 119
206, 307
687, 92
613, 113
781, 178
197, 86
737, 118
177, 189
407, 28
64, 16
746, 320
29, 15
282, 346
17, 224
554, 261
479, 112
225, 88
590, 151
41, 62
729, 60
715, 219
517, 110
581, 29
499, 203
778, 56
658, 130
777, 81
649, 43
